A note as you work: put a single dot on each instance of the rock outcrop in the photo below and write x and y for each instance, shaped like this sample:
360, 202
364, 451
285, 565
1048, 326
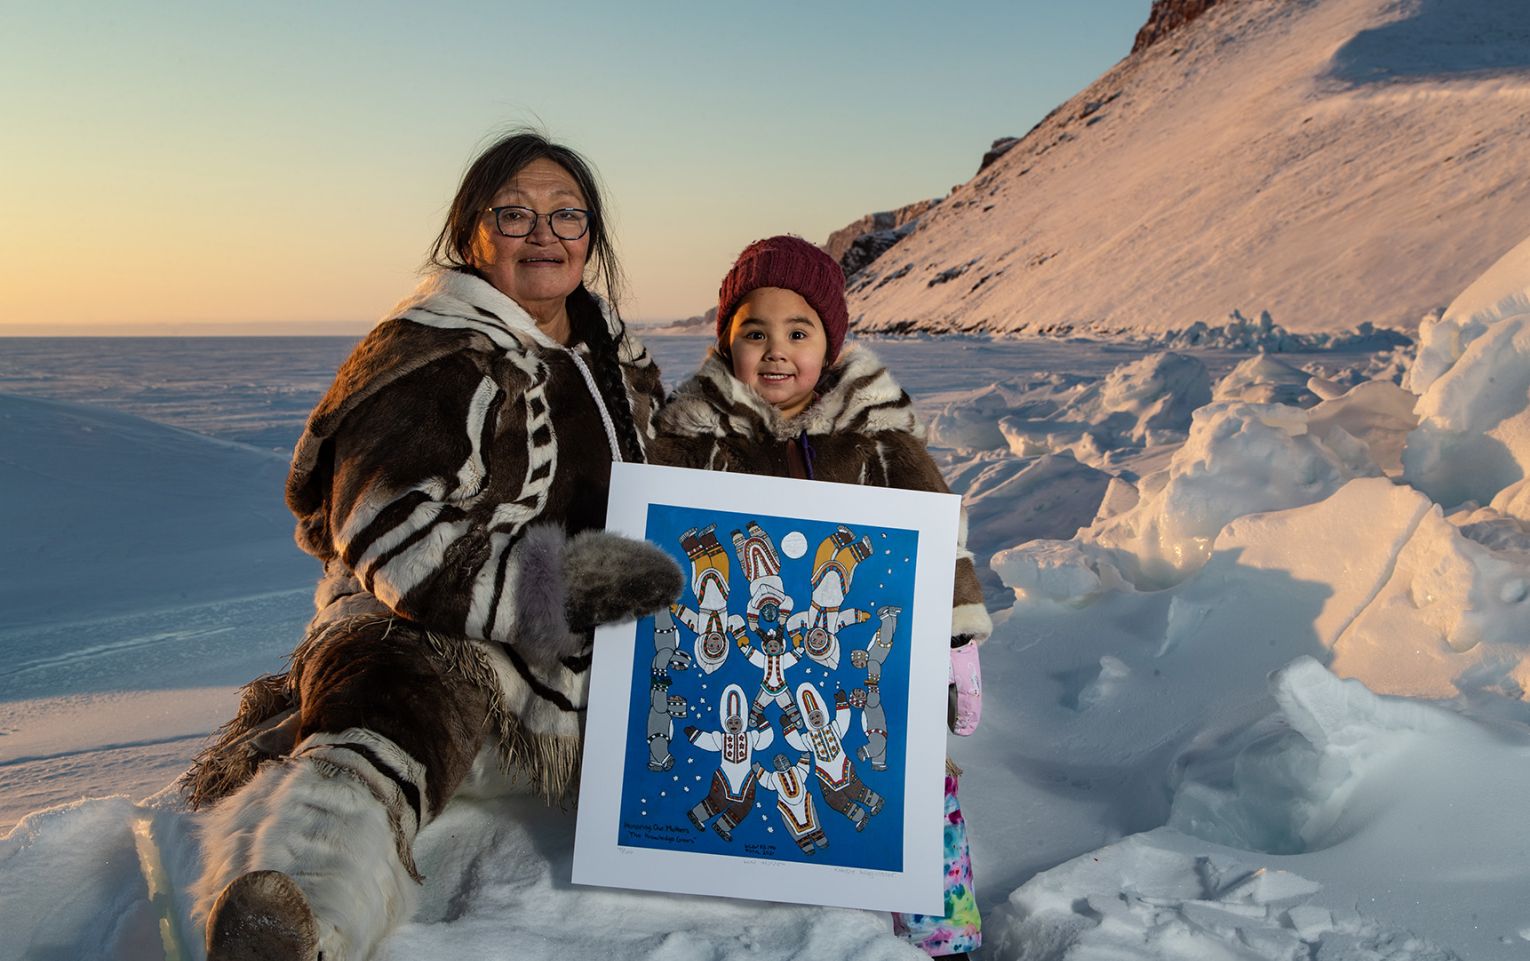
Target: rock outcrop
1168, 16
857, 244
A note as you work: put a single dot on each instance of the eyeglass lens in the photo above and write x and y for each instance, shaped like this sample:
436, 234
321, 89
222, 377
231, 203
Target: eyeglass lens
569, 223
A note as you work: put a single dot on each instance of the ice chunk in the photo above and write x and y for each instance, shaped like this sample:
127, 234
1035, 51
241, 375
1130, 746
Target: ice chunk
1264, 380
1472, 375
1239, 459
1451, 614
1473, 436
1061, 571
1377, 413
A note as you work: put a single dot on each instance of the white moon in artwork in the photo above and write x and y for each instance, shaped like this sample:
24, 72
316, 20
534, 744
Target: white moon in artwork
794, 545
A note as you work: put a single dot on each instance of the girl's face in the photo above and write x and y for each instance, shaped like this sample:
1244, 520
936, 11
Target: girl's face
778, 347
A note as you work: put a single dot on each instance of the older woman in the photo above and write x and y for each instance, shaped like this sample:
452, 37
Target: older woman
453, 481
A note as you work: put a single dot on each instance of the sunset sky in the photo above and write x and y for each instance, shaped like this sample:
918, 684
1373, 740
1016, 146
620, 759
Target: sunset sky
199, 167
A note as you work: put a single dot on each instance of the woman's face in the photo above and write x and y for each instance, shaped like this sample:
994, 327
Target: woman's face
539, 270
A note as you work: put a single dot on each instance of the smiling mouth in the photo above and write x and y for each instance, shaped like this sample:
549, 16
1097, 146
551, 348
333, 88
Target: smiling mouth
540, 260
775, 377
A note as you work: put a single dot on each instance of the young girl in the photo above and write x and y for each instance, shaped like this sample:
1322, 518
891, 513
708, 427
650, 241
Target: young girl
780, 394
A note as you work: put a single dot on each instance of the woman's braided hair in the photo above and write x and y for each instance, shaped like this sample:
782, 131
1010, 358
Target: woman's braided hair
589, 326
453, 250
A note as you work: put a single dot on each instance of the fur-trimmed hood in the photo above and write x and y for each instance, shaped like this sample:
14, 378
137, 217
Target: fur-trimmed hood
458, 300
856, 396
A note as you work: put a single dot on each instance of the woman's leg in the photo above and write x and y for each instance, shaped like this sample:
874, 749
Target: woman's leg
315, 852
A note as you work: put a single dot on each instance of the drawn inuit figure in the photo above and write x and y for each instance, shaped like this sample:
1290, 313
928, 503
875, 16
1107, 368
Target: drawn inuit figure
842, 788
761, 565
874, 723
773, 660
710, 621
869, 699
790, 782
732, 792
818, 627
875, 653
664, 707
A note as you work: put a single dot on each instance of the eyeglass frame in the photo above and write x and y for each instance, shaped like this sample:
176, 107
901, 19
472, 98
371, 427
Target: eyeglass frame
537, 218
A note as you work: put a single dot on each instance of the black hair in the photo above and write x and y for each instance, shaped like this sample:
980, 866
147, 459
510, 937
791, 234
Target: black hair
589, 326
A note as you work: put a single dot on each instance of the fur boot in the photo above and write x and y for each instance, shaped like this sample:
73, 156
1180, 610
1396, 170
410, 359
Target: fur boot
312, 857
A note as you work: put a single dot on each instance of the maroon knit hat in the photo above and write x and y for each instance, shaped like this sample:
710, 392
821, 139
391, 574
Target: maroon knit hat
790, 263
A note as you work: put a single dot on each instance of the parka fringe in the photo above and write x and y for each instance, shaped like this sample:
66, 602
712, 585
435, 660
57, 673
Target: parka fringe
228, 763
549, 761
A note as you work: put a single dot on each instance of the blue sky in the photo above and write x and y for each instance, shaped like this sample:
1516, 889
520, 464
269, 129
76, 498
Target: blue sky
281, 163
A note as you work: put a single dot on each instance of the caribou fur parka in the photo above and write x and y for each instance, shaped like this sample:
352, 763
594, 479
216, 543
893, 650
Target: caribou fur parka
453, 483
860, 429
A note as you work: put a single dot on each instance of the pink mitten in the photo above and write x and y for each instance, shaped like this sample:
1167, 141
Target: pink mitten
967, 680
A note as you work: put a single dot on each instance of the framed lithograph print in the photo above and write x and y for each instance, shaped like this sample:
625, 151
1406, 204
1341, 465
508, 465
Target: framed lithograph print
779, 733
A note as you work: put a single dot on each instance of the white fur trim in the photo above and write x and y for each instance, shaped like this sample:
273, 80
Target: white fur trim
398, 760
400, 575
329, 834
483, 598
472, 474
454, 299
971, 620
534, 711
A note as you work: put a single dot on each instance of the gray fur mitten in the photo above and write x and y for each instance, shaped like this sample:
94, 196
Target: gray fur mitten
610, 577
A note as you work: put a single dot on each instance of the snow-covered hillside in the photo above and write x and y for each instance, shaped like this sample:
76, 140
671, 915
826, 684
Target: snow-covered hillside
1268, 704
1332, 162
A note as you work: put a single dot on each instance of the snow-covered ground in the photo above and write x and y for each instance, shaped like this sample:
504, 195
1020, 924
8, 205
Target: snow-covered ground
1268, 704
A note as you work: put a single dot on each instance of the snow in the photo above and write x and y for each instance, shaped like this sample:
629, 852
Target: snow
1257, 688
1473, 375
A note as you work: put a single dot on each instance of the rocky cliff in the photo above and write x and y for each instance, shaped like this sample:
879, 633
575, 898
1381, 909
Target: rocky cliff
1331, 162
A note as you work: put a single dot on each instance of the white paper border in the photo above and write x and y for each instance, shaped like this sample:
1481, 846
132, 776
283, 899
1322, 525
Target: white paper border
919, 887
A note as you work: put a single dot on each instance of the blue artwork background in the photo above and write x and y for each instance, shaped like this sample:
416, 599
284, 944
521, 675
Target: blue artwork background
654, 804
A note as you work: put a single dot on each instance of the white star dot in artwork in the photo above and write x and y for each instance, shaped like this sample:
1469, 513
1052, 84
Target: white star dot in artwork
771, 829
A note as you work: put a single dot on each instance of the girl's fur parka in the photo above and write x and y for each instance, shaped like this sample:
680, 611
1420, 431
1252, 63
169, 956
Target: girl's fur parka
860, 429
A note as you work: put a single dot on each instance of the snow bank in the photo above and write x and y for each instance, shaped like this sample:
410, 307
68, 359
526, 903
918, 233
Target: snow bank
138, 514
1298, 840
